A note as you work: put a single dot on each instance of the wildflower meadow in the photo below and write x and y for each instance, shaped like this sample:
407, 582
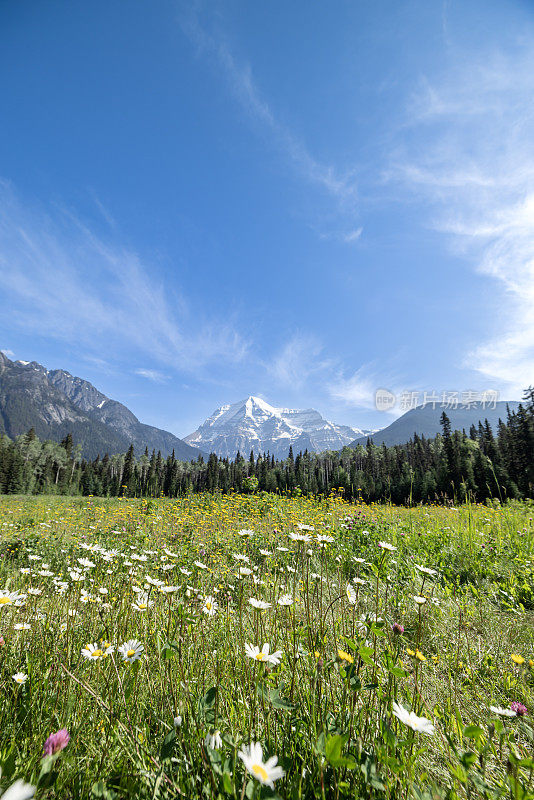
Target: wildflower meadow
232, 646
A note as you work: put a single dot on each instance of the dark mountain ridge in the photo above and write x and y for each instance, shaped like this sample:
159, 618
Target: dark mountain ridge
56, 403
425, 421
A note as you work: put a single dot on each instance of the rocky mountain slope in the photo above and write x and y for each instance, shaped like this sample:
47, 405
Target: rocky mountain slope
56, 403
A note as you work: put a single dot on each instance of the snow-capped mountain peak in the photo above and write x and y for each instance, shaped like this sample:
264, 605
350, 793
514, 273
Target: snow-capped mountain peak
254, 424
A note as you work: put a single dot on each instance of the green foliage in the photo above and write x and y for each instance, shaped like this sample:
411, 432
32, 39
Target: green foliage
453, 467
174, 722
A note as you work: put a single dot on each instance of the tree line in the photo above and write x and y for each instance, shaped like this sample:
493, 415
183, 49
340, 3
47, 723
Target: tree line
479, 464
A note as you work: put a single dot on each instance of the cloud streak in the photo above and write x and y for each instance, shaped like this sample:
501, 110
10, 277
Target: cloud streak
300, 359
239, 77
152, 375
63, 281
477, 171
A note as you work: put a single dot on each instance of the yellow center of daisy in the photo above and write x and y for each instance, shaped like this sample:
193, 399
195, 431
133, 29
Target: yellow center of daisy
19, 680
208, 606
96, 653
142, 605
130, 653
260, 657
257, 769
5, 600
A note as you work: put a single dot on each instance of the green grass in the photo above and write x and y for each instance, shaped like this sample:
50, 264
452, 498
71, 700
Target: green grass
326, 710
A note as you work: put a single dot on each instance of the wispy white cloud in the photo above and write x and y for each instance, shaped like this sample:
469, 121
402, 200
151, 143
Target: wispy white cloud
348, 236
152, 375
8, 353
358, 389
63, 281
338, 184
476, 167
304, 364
301, 358
352, 236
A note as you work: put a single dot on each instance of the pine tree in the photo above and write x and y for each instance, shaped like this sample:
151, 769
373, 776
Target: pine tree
128, 470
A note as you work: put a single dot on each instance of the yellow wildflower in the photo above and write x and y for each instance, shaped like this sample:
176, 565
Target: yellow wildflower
343, 656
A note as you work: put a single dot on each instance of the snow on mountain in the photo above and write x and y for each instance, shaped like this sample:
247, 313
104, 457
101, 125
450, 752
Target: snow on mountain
253, 424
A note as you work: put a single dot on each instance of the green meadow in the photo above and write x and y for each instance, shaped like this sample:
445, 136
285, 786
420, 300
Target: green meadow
229, 646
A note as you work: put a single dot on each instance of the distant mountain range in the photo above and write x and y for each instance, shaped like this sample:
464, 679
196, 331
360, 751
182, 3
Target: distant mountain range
253, 424
56, 403
424, 420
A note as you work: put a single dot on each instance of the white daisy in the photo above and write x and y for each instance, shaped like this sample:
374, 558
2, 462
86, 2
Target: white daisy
300, 537
261, 604
142, 603
85, 563
419, 724
255, 653
210, 606
11, 598
387, 546
266, 773
502, 712
419, 600
20, 678
285, 600
19, 791
94, 652
426, 570
131, 650
213, 740
351, 594
154, 581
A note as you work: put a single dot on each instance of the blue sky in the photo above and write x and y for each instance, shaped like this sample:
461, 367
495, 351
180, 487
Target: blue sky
303, 201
